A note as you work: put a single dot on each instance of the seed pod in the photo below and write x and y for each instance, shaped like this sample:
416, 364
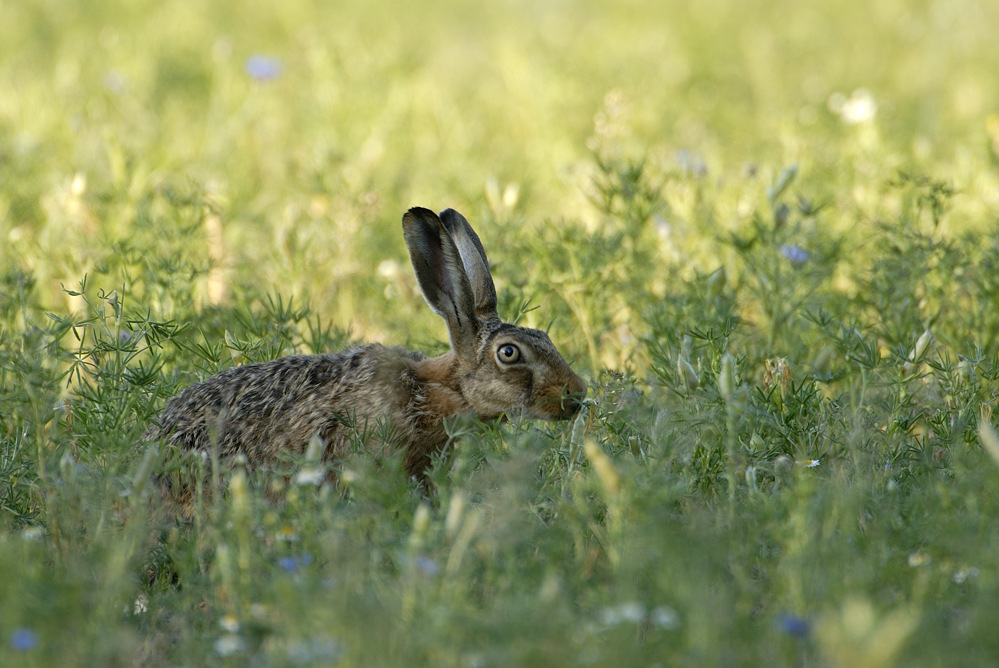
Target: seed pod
726, 376
687, 374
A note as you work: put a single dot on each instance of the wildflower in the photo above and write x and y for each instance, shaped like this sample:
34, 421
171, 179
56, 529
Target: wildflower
427, 566
263, 68
292, 564
32, 533
501, 201
312, 475
287, 534
229, 623
389, 270
963, 574
229, 644
793, 625
630, 611
795, 254
918, 558
810, 463
860, 108
664, 617
23, 639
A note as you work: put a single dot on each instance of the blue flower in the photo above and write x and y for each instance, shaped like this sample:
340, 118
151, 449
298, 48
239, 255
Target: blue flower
292, 564
794, 253
23, 639
793, 625
427, 566
263, 68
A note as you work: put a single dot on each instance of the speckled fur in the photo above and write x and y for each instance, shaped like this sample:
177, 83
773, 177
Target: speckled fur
261, 410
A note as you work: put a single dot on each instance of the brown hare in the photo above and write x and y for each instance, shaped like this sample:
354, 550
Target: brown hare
493, 369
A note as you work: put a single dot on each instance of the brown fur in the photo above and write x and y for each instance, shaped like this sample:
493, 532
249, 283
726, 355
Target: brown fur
261, 410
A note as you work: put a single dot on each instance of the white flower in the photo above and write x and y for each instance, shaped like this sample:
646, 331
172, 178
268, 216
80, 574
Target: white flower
630, 611
230, 623
859, 108
963, 574
229, 644
310, 476
32, 533
287, 534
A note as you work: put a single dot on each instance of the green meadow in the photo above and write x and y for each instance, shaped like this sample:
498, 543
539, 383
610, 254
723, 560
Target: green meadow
765, 233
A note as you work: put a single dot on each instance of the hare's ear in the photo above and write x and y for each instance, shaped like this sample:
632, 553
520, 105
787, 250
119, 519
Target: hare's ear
473, 257
440, 272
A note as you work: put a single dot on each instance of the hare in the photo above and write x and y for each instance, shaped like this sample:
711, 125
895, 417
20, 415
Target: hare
493, 369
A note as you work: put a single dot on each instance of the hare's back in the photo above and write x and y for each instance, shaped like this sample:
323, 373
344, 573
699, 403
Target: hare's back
259, 405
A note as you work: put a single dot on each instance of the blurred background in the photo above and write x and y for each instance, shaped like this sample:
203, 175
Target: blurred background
273, 146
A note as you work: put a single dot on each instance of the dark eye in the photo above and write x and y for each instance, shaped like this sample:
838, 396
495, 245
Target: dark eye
508, 353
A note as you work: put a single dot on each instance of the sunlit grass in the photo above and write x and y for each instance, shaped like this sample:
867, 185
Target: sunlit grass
765, 234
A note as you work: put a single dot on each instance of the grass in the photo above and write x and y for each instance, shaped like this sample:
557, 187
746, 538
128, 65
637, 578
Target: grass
764, 232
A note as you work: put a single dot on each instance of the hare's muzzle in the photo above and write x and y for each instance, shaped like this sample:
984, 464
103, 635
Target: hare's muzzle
571, 399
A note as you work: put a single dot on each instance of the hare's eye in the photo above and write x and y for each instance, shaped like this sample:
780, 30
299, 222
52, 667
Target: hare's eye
508, 353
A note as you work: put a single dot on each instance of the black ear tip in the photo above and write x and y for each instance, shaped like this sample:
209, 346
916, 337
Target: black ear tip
452, 218
419, 218
419, 212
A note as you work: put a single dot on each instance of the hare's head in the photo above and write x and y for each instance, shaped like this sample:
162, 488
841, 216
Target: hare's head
501, 369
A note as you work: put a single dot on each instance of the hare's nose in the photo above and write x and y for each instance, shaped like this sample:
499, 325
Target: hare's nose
572, 405
575, 393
